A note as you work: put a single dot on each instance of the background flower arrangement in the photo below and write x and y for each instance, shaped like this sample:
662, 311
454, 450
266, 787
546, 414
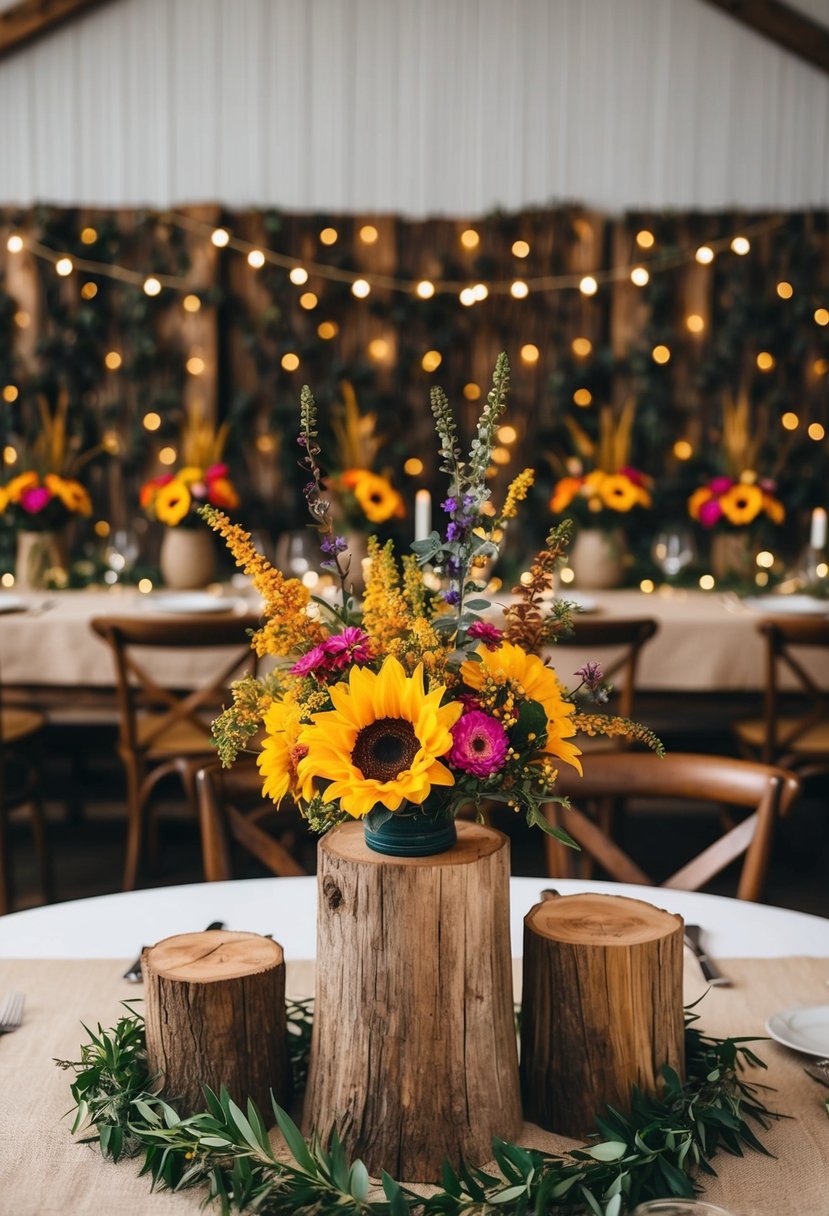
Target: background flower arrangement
601, 486
415, 706
174, 498
363, 496
45, 495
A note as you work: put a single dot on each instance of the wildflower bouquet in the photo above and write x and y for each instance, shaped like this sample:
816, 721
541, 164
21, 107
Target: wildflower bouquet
415, 704
363, 496
44, 497
612, 487
175, 498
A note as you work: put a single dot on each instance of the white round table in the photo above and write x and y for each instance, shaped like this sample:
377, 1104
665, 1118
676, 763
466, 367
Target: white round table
116, 926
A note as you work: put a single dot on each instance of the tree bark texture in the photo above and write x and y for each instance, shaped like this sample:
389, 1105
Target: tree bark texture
601, 1008
414, 1056
215, 1015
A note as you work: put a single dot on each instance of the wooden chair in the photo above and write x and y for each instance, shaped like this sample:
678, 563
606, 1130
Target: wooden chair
628, 635
163, 731
799, 741
231, 808
19, 786
765, 791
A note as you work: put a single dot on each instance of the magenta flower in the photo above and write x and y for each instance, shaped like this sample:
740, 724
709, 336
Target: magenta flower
710, 513
490, 635
633, 475
215, 470
33, 501
479, 744
350, 646
591, 676
310, 662
720, 485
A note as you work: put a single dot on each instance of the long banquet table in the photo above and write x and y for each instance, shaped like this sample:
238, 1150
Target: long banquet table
68, 959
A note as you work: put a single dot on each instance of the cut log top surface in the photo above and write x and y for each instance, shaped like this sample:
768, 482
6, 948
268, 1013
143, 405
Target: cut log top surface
347, 843
600, 920
212, 956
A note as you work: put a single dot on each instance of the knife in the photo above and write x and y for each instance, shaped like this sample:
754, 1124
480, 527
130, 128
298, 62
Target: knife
709, 970
133, 972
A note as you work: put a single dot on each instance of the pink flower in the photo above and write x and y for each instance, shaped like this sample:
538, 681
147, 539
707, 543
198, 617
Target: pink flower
490, 635
33, 501
633, 475
479, 744
710, 513
215, 470
163, 479
350, 646
720, 485
198, 489
309, 662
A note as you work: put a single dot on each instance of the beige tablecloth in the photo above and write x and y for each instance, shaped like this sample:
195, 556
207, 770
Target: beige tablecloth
42, 1172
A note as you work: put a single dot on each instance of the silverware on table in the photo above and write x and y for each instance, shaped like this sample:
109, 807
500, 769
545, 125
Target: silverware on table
819, 1071
133, 972
709, 969
11, 1012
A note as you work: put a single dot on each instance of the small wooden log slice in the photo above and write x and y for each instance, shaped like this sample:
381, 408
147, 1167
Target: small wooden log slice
602, 1006
215, 1015
414, 1056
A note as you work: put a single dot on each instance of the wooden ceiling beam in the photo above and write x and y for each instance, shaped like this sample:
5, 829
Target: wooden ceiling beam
784, 25
30, 19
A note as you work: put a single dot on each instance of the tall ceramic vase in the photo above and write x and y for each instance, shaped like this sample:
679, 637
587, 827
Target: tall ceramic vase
597, 559
732, 555
188, 558
38, 553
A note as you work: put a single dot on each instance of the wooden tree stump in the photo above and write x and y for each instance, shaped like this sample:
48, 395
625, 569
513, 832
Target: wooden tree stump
602, 1006
414, 1056
215, 1015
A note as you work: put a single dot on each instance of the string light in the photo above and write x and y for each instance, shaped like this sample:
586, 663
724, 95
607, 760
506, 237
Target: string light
15, 243
327, 330
145, 586
308, 300
152, 287
191, 303
7, 579
360, 288
565, 574
790, 421
520, 249
507, 434
480, 291
472, 392
220, 237
821, 569
647, 585
265, 444
530, 353
820, 367
369, 234
761, 578
290, 361
645, 239
256, 259
151, 421
683, 449
661, 354
695, 323
822, 316
167, 456
588, 285
581, 347
102, 528
519, 290
195, 365
764, 559
64, 267
9, 454
639, 276
706, 582
298, 276
740, 245
582, 397
425, 289
467, 297
89, 236
765, 361
785, 290
470, 239
431, 361
22, 319
500, 455
10, 393
378, 349
816, 431
113, 360
413, 467
329, 236
704, 255
89, 291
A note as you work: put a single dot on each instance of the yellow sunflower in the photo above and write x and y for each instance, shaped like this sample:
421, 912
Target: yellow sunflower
20, 484
378, 500
563, 494
381, 742
71, 493
537, 682
742, 503
190, 475
172, 502
281, 753
619, 493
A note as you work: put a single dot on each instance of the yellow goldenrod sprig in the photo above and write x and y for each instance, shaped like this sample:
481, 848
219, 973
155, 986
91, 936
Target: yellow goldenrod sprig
517, 492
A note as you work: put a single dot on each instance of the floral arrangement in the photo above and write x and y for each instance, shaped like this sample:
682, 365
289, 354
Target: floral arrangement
45, 496
362, 495
416, 704
739, 496
612, 485
175, 498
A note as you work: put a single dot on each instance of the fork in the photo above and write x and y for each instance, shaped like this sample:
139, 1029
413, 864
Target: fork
11, 1012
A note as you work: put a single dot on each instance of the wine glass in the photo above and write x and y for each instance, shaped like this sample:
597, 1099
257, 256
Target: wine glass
297, 552
673, 549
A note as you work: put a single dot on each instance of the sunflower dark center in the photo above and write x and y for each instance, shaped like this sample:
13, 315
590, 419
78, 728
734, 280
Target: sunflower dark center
385, 748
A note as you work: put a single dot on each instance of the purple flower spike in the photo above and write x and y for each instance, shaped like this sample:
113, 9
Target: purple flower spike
454, 531
336, 544
591, 676
452, 597
479, 744
449, 505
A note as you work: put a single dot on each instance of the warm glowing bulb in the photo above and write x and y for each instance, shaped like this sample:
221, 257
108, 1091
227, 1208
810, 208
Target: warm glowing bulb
378, 349
413, 467
764, 559
582, 397
9, 454
167, 456
695, 323
360, 288
519, 290
425, 289
15, 243
308, 300
256, 259
89, 236
328, 236
113, 360
290, 361
7, 579
470, 239
530, 353
820, 367
102, 528
822, 316
790, 421
151, 421
327, 330
740, 245
816, 431
467, 297
588, 286
152, 286
639, 276
472, 392
507, 434
22, 319
520, 249
821, 569
646, 585
298, 276
683, 449
145, 586
64, 266
369, 234
89, 291
661, 354
11, 393
480, 291
500, 455
431, 361
765, 361
704, 255
785, 290
266, 444
220, 237
191, 303
645, 239
565, 574
195, 365
581, 347
706, 582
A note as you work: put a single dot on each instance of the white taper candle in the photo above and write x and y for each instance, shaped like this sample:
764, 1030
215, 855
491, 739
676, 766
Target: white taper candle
817, 535
423, 515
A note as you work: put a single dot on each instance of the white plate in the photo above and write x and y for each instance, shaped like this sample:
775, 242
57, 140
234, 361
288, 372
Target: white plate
13, 603
187, 602
788, 605
805, 1030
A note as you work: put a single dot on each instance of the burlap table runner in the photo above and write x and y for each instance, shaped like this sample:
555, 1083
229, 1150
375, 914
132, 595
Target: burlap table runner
42, 1171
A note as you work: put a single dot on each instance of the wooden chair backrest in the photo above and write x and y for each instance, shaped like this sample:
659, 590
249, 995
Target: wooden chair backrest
780, 634
224, 797
596, 633
719, 780
137, 689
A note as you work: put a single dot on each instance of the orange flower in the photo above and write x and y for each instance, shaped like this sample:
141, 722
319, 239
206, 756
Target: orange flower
222, 493
698, 499
71, 493
564, 493
20, 484
774, 509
